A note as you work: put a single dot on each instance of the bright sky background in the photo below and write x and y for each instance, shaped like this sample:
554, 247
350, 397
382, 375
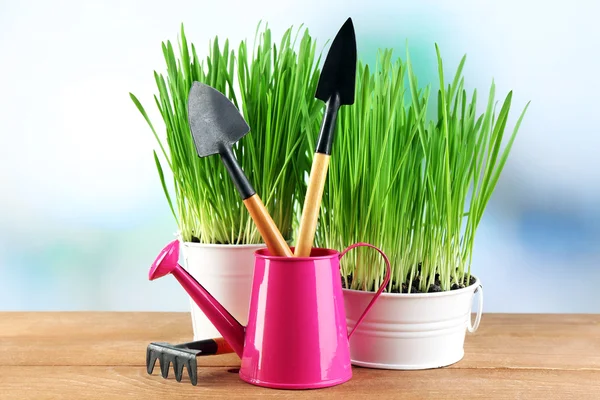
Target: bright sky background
82, 212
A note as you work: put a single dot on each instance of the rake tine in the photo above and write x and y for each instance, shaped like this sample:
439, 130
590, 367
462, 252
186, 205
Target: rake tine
151, 357
178, 368
165, 363
192, 369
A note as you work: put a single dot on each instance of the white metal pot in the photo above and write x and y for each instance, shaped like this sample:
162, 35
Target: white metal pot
411, 331
226, 272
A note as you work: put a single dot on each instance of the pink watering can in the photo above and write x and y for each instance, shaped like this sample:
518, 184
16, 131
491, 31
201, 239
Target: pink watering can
296, 336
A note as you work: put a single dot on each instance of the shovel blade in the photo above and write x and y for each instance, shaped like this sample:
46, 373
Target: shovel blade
338, 75
215, 122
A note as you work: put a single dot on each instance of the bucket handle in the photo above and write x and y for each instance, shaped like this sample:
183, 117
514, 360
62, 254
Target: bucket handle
388, 272
472, 327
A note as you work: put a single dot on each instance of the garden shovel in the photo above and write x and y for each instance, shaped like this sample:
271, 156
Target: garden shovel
336, 88
216, 125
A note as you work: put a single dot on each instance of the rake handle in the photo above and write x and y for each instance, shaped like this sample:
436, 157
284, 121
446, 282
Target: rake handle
223, 347
312, 205
267, 228
209, 346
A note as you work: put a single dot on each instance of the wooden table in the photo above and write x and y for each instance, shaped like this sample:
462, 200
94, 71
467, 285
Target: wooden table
101, 355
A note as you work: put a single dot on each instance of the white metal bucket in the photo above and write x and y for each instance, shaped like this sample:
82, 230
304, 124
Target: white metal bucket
226, 272
411, 331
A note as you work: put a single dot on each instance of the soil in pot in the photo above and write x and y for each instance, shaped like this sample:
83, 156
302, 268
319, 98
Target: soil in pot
435, 287
196, 240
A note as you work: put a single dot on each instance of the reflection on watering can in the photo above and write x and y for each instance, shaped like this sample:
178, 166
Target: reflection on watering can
296, 336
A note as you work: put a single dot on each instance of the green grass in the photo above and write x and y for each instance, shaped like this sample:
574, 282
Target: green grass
273, 85
414, 187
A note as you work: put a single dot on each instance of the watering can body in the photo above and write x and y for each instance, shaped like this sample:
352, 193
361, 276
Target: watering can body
296, 336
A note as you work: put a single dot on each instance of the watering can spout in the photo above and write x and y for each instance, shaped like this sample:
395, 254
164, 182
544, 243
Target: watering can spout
229, 327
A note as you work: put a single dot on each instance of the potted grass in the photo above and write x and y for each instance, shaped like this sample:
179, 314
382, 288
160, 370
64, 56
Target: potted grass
417, 188
273, 86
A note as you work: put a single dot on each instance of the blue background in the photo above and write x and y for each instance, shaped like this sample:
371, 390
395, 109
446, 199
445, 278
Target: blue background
82, 213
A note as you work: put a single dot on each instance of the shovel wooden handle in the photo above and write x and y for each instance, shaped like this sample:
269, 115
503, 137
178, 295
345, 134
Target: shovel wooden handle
312, 205
267, 228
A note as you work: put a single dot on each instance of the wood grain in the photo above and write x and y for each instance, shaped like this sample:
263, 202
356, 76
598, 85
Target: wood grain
218, 382
549, 341
312, 205
267, 227
97, 355
93, 338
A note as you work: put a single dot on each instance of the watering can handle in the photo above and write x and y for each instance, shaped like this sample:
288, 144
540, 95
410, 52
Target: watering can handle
388, 272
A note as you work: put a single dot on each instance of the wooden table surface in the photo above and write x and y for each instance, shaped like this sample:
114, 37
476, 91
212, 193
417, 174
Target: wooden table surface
101, 355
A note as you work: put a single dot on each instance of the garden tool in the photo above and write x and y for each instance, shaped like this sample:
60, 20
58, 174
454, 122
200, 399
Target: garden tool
181, 355
336, 88
296, 337
216, 125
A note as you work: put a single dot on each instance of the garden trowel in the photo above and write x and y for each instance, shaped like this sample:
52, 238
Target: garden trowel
216, 125
336, 88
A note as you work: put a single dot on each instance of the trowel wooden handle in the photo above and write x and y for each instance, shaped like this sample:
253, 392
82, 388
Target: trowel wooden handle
267, 228
312, 205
